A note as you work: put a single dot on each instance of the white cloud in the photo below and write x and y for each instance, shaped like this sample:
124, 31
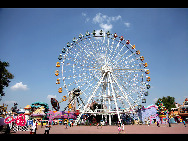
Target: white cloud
98, 18
19, 86
127, 24
104, 21
51, 96
155, 99
84, 14
85, 17
116, 18
106, 27
101, 18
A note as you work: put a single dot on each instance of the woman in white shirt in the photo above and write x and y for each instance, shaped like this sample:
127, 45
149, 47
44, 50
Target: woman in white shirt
34, 127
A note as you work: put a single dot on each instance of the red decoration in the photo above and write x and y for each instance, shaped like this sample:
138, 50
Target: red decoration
121, 38
115, 35
77, 112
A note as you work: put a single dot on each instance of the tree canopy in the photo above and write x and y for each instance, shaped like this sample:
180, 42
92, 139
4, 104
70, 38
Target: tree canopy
5, 77
169, 102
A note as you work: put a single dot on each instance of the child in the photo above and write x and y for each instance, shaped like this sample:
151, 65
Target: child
148, 122
119, 128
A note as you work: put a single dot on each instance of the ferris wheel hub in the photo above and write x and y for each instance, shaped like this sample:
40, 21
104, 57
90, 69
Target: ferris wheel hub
106, 69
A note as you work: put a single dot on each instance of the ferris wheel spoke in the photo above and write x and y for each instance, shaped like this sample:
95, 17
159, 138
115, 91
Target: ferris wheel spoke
128, 56
131, 85
135, 70
129, 94
113, 94
92, 69
115, 63
86, 95
92, 95
119, 53
120, 99
87, 52
92, 80
125, 95
90, 85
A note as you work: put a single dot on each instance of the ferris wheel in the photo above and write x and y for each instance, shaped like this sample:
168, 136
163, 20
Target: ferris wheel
103, 68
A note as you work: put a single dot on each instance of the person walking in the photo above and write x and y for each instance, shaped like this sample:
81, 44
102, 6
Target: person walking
122, 127
157, 123
7, 129
34, 127
169, 123
66, 125
41, 124
184, 123
47, 128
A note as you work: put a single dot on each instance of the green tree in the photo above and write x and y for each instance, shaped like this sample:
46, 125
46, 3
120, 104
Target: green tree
5, 77
169, 102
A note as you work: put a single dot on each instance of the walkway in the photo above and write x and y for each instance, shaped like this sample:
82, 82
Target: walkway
129, 129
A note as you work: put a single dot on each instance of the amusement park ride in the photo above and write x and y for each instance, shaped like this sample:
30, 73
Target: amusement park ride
103, 68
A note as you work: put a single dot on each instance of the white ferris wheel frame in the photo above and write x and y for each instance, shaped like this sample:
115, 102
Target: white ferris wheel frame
108, 77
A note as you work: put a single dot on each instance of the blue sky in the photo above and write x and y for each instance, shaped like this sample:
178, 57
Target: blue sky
31, 40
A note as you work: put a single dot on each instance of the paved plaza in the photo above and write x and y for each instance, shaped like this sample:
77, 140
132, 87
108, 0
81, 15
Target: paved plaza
129, 129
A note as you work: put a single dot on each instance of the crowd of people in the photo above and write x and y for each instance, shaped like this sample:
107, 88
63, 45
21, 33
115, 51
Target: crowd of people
48, 126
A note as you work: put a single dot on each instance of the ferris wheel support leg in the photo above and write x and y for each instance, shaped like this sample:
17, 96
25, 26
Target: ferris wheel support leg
125, 96
79, 116
109, 99
110, 122
115, 100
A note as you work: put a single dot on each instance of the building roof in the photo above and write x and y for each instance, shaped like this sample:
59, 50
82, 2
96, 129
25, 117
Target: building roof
27, 107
